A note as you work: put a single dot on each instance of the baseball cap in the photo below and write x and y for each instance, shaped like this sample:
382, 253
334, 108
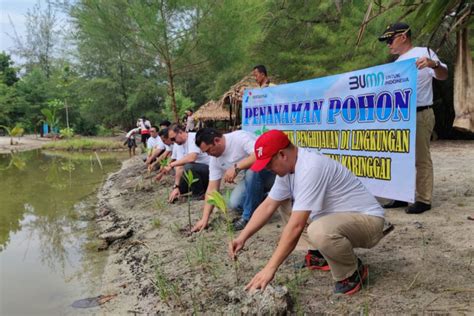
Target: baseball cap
267, 146
393, 29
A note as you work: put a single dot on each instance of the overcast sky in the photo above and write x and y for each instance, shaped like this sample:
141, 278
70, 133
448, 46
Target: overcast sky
16, 9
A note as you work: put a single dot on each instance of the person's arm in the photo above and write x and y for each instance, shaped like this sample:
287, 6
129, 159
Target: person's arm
191, 157
288, 240
244, 164
213, 185
177, 178
260, 217
441, 72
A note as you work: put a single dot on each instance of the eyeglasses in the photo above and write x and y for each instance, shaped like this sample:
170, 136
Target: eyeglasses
391, 39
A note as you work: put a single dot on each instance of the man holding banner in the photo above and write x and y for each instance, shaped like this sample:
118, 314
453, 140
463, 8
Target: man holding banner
398, 39
342, 212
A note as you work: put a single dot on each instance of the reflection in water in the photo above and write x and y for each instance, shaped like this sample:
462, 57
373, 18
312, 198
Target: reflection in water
44, 200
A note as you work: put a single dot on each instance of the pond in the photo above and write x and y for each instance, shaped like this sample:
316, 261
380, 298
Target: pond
48, 253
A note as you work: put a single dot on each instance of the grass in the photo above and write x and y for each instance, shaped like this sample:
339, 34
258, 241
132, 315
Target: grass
156, 222
80, 144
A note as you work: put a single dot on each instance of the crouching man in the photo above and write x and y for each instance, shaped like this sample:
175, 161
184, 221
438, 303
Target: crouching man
343, 215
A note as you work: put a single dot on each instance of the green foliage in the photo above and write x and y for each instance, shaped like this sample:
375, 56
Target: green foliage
83, 144
7, 71
165, 162
16, 131
66, 133
183, 103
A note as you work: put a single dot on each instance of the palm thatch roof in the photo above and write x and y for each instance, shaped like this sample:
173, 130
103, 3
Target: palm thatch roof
212, 111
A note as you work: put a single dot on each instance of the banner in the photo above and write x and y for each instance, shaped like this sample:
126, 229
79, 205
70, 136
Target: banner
365, 119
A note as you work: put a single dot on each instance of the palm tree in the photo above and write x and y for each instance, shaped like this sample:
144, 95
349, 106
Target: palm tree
16, 131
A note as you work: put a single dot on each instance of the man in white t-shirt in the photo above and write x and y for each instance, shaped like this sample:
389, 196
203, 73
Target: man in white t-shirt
230, 154
398, 39
155, 147
187, 156
342, 213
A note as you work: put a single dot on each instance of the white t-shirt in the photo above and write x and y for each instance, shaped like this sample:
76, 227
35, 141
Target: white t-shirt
324, 186
424, 89
238, 145
156, 142
179, 151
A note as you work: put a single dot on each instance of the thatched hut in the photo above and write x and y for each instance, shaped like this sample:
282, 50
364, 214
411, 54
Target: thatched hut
213, 111
232, 99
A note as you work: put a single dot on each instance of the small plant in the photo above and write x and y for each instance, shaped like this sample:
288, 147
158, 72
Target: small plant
190, 180
16, 131
156, 222
166, 289
201, 254
164, 162
66, 133
216, 199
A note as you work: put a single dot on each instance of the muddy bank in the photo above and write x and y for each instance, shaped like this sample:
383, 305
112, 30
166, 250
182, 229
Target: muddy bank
424, 266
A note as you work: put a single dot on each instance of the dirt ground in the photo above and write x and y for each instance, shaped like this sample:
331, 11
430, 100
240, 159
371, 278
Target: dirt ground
27, 142
425, 266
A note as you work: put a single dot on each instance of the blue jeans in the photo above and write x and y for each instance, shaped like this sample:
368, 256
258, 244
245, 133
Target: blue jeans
251, 191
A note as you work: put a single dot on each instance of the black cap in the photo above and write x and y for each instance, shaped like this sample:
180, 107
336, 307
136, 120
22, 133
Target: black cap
393, 29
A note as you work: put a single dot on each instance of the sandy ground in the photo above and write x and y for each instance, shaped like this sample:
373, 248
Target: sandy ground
27, 142
425, 266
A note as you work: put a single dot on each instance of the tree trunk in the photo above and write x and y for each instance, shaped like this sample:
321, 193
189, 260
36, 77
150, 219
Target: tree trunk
463, 85
171, 90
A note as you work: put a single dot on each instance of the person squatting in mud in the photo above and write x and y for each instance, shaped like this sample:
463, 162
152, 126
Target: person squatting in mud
330, 205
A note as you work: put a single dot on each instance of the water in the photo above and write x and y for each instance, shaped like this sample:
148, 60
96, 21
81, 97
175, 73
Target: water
47, 254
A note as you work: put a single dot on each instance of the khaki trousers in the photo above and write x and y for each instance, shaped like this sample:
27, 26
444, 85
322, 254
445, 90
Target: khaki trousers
336, 235
425, 121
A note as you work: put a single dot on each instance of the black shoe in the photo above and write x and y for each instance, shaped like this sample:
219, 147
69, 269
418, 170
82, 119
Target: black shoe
314, 260
240, 224
418, 208
353, 283
395, 204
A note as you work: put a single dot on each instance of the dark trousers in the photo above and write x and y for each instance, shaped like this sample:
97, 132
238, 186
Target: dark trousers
200, 172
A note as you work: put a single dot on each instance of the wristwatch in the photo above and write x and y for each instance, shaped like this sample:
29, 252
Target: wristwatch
437, 63
236, 169
175, 186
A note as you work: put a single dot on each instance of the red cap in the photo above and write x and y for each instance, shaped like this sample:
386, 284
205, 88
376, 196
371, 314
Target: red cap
267, 146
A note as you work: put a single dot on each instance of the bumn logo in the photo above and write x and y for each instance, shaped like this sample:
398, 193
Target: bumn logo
366, 80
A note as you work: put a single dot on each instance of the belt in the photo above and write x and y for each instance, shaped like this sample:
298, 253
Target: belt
422, 108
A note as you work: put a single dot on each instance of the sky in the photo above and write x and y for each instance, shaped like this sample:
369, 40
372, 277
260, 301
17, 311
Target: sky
16, 9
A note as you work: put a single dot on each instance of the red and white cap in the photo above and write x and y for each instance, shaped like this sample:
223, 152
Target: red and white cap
267, 146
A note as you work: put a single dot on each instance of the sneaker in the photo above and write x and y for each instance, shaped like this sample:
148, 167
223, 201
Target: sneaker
353, 283
240, 224
418, 208
314, 260
395, 204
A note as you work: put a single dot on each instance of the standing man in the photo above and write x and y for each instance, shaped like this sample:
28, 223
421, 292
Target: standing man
260, 74
187, 156
398, 39
342, 212
230, 154
189, 120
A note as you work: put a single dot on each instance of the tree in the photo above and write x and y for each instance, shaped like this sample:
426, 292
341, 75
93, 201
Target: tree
42, 33
7, 71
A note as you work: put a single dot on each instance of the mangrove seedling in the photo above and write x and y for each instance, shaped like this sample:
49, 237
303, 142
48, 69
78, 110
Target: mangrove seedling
216, 199
190, 180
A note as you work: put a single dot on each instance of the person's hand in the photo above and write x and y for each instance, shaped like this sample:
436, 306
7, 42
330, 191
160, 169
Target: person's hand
167, 169
199, 226
424, 62
234, 247
159, 176
230, 175
174, 195
261, 279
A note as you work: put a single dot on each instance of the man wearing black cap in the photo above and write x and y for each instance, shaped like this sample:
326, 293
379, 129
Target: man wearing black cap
398, 39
